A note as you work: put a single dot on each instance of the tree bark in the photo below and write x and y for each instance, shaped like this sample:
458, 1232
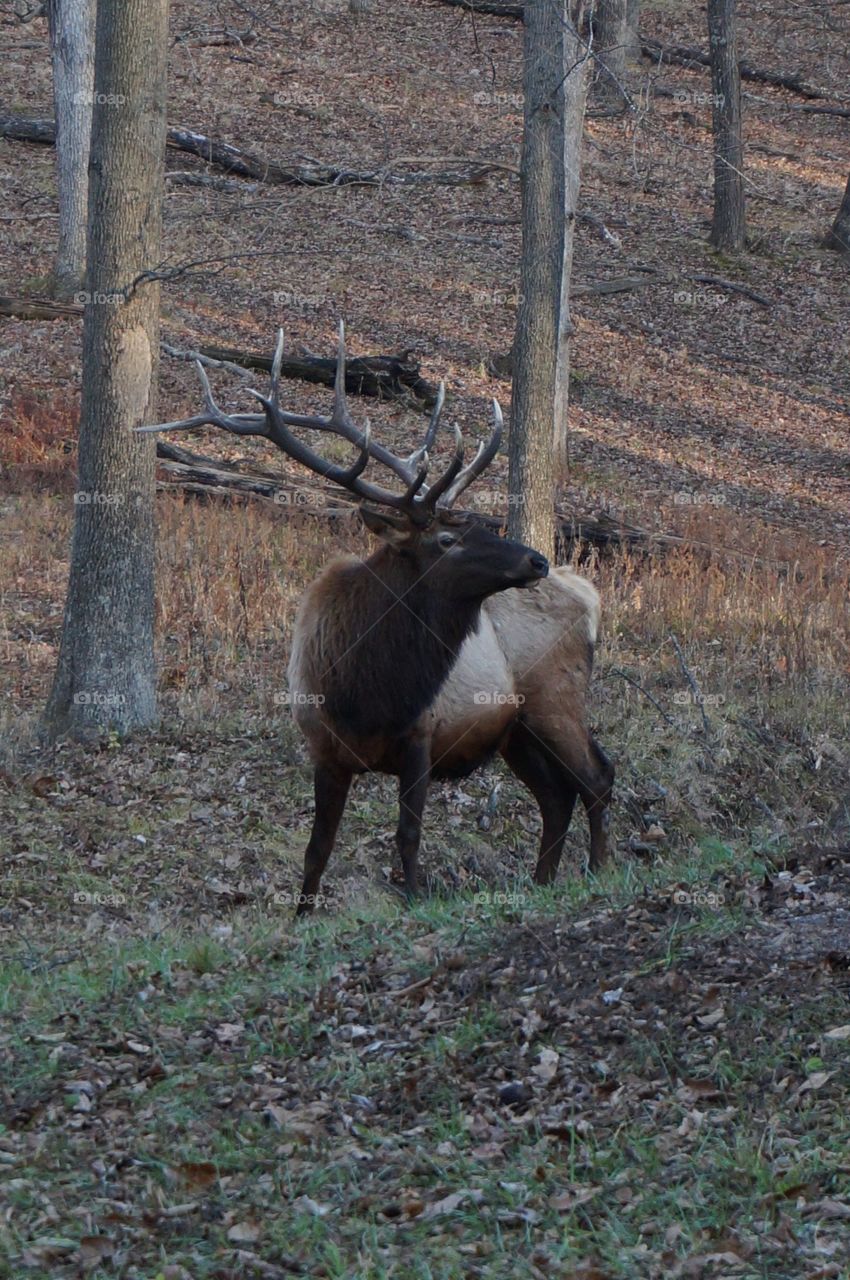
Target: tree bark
611, 41
575, 102
728, 227
838, 236
71, 25
555, 88
105, 675
633, 49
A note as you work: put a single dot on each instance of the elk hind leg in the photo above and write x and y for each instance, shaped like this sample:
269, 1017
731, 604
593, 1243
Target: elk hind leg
330, 786
593, 775
553, 789
595, 794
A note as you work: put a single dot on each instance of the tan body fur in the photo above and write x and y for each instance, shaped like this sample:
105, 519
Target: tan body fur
531, 657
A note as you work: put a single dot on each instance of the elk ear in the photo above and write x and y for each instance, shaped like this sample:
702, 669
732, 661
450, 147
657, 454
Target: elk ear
393, 528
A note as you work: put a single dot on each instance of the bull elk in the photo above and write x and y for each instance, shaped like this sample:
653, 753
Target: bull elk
423, 661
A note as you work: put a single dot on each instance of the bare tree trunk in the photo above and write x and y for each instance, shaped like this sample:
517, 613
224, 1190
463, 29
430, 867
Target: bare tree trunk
838, 236
728, 229
575, 102
72, 52
611, 42
554, 55
105, 676
633, 49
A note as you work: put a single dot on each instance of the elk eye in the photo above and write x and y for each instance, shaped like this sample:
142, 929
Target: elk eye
446, 539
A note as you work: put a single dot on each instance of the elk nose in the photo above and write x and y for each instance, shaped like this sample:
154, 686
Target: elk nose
539, 564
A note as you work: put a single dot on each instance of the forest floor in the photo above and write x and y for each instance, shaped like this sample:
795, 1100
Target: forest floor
637, 1076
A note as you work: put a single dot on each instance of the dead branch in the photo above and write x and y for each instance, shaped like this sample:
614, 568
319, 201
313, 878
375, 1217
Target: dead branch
624, 675
38, 308
184, 178
493, 8
844, 112
205, 36
685, 56
649, 276
695, 689
620, 284
234, 160
177, 353
720, 283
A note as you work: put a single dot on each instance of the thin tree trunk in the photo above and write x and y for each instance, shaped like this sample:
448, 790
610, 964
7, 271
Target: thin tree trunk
575, 102
728, 229
838, 236
553, 55
71, 25
105, 676
611, 41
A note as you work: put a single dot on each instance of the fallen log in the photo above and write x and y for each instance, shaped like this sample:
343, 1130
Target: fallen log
382, 377
236, 161
494, 8
626, 284
686, 56
212, 478
38, 308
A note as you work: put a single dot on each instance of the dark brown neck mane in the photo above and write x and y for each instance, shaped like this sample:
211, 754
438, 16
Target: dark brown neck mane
387, 607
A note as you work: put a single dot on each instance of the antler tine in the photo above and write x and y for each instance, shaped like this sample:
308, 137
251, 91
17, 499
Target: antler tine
347, 477
241, 424
274, 380
439, 487
431, 434
341, 423
275, 423
340, 414
483, 458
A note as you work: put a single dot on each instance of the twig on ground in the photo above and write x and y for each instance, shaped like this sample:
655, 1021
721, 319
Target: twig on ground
616, 671
699, 698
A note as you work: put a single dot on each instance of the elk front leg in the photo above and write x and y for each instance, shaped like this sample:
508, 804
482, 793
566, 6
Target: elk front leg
414, 776
330, 786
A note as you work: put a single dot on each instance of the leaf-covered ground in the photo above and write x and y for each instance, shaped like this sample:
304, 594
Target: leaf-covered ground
642, 1079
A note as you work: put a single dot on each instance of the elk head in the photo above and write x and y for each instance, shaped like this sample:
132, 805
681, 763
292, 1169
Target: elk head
464, 558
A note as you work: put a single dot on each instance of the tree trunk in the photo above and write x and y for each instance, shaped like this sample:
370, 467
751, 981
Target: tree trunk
838, 236
728, 229
575, 102
105, 676
72, 53
633, 49
554, 83
611, 41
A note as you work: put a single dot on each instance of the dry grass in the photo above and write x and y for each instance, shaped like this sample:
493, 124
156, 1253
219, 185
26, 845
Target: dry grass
763, 638
39, 433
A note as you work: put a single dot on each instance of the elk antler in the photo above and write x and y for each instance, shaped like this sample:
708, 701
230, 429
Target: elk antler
275, 423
